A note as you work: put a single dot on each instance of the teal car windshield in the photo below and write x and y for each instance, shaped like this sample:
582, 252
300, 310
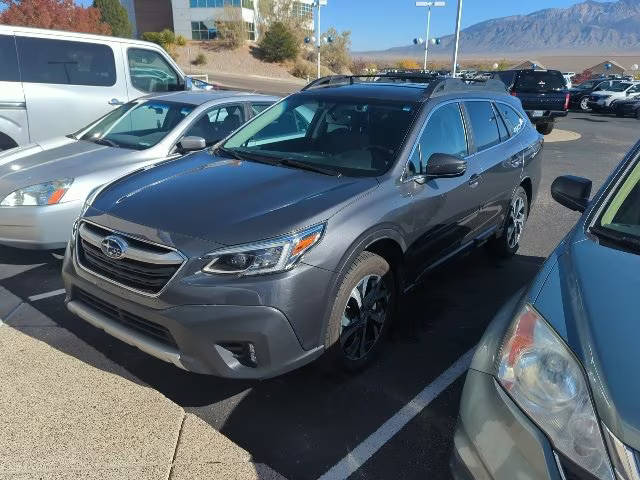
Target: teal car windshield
137, 125
354, 138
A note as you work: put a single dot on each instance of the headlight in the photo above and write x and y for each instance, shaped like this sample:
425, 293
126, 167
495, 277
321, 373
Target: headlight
546, 381
49, 193
270, 256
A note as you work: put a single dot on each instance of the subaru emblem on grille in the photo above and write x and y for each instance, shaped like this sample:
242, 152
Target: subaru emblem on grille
114, 247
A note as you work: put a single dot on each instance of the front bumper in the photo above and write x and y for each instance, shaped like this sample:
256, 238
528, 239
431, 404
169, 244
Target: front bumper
196, 336
42, 228
495, 440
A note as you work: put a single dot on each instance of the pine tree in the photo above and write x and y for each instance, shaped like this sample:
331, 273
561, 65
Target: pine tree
114, 14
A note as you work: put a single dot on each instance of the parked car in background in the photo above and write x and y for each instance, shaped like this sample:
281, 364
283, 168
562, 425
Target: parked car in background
73, 78
627, 108
543, 94
553, 388
44, 185
579, 94
304, 226
601, 100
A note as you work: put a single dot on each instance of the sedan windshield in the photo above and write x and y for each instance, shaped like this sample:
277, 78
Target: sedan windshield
622, 215
350, 137
137, 125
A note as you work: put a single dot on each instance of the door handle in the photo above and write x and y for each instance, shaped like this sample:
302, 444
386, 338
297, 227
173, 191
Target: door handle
115, 101
474, 181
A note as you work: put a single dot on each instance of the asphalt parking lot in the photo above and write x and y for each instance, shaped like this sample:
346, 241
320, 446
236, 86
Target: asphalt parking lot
310, 424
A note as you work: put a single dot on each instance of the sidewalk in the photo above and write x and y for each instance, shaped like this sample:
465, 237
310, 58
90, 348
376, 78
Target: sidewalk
67, 412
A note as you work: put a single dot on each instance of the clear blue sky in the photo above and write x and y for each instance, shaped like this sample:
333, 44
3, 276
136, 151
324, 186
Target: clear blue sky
379, 24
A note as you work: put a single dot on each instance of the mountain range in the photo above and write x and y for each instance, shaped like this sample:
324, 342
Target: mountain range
589, 28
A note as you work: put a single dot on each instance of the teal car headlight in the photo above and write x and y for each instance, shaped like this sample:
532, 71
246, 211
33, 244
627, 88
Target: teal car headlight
546, 381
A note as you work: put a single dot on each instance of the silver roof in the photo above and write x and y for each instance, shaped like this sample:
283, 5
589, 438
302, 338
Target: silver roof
198, 97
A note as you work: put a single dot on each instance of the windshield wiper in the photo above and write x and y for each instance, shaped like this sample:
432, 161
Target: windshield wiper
290, 162
617, 237
105, 141
245, 156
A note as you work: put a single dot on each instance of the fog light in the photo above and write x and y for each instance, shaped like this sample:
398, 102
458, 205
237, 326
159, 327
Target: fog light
243, 352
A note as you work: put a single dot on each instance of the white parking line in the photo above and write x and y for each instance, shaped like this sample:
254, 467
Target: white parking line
42, 296
359, 455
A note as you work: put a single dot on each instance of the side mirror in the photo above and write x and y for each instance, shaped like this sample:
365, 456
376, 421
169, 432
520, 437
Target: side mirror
188, 83
572, 192
443, 165
192, 144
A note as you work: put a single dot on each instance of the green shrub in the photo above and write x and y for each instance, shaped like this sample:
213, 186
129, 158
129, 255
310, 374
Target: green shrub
303, 69
165, 38
279, 43
181, 40
113, 13
201, 59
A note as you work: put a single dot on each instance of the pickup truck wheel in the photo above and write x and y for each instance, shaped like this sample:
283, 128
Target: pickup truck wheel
506, 244
584, 104
545, 128
361, 314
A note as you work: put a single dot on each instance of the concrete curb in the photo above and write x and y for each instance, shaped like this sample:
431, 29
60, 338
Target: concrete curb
70, 412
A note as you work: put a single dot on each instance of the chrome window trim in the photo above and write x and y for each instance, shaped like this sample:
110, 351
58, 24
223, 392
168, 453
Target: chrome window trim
459, 101
133, 237
13, 105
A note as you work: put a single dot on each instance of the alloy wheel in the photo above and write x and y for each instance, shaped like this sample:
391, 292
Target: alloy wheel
517, 217
584, 103
364, 316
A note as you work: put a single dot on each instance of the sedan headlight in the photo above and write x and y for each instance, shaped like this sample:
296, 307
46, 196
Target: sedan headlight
547, 382
269, 256
48, 193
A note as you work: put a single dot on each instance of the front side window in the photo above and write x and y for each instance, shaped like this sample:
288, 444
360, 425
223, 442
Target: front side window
483, 124
623, 212
619, 86
8, 60
444, 133
359, 138
137, 125
150, 72
217, 123
66, 63
513, 120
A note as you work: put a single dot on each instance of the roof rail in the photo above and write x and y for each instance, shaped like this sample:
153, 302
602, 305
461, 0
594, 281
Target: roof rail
434, 85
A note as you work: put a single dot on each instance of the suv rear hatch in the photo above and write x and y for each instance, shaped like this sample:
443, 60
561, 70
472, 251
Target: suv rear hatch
541, 90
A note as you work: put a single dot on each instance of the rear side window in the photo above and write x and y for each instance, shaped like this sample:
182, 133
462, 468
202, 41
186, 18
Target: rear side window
483, 124
66, 63
536, 81
8, 60
150, 72
444, 133
257, 108
514, 121
502, 128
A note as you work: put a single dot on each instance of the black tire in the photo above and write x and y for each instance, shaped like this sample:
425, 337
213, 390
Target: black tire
503, 245
340, 341
6, 142
545, 128
584, 104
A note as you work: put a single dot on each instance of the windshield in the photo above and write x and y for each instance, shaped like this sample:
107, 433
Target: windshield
137, 125
356, 138
535, 81
586, 85
619, 86
623, 212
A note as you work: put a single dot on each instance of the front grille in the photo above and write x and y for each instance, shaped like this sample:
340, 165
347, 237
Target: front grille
144, 276
150, 329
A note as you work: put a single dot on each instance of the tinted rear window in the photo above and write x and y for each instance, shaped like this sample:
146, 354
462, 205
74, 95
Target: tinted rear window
67, 63
540, 81
8, 60
484, 124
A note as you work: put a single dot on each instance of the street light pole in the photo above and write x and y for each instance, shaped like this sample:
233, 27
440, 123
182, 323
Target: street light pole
426, 42
457, 43
318, 5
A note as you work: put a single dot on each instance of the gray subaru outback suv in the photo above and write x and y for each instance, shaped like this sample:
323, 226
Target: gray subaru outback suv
297, 235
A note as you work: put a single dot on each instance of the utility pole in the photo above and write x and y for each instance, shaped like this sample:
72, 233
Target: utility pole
427, 39
319, 4
457, 43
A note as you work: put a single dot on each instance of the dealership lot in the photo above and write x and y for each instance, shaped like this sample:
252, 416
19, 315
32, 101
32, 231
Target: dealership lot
306, 423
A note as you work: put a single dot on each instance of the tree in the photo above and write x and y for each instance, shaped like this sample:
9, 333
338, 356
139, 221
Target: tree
279, 43
231, 28
335, 55
408, 64
53, 14
285, 12
113, 13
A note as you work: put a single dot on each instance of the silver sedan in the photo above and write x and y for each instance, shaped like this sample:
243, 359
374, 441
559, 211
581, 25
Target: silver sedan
43, 186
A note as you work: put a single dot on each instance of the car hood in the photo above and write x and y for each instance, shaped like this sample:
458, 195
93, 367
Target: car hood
591, 300
17, 153
225, 201
54, 160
